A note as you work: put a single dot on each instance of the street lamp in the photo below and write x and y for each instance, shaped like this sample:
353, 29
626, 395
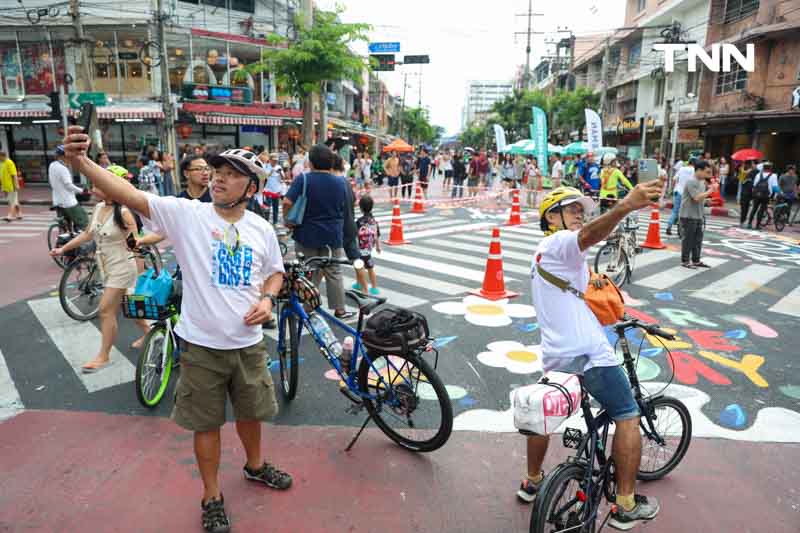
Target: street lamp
678, 103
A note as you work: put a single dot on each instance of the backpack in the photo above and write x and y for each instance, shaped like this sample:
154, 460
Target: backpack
367, 233
393, 330
761, 188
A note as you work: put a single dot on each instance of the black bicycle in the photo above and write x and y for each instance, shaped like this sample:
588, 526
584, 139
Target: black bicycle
62, 227
571, 494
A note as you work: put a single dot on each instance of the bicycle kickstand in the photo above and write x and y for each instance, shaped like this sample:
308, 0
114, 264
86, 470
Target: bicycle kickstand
360, 431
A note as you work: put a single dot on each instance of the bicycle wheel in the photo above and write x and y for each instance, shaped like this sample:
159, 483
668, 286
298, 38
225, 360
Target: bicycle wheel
52, 236
81, 289
557, 506
288, 358
672, 423
405, 386
781, 217
152, 369
612, 261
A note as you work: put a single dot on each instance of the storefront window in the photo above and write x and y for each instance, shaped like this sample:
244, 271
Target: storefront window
178, 56
29, 151
38, 64
10, 69
110, 56
217, 72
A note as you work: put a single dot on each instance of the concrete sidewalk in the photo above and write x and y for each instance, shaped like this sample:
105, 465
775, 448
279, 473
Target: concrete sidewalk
73, 471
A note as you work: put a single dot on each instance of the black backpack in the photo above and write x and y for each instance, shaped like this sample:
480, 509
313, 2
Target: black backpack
761, 188
393, 330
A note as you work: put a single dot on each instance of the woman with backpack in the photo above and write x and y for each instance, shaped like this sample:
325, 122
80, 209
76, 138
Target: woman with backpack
764, 184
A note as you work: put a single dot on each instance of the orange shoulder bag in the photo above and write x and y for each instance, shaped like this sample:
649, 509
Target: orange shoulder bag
602, 296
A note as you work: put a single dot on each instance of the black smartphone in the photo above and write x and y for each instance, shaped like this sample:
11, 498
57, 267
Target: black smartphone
131, 241
85, 118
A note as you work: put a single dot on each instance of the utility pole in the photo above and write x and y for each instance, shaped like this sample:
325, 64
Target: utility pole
644, 135
674, 147
665, 127
308, 100
403, 105
530, 14
168, 130
604, 76
75, 12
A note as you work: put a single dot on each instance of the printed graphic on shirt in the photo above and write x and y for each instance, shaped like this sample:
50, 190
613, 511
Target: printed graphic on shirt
230, 268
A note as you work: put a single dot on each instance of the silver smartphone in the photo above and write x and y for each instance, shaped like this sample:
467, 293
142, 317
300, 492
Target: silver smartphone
648, 170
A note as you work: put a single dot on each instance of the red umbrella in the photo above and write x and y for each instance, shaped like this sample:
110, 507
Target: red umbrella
747, 154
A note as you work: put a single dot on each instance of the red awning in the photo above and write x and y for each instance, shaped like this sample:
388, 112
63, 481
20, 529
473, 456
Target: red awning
238, 120
22, 113
110, 112
253, 110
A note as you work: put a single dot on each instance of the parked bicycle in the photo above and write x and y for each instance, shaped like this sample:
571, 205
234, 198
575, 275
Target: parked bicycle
617, 257
63, 227
160, 351
401, 392
571, 494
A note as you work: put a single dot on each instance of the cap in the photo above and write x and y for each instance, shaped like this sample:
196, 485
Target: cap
59, 150
273, 155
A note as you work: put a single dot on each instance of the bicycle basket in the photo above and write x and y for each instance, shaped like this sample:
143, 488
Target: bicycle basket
137, 306
393, 330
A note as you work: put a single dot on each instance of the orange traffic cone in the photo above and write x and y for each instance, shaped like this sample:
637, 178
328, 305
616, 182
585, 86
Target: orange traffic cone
514, 217
396, 235
494, 287
653, 239
418, 207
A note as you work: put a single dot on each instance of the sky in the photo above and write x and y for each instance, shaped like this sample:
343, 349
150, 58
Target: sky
468, 40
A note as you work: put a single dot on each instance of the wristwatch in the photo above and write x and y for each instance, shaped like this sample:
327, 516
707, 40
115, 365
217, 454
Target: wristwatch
271, 299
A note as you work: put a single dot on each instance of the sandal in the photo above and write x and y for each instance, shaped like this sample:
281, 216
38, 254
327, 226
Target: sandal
269, 476
214, 518
86, 369
344, 316
700, 264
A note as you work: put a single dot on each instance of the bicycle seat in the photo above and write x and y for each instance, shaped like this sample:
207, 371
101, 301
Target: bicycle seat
366, 304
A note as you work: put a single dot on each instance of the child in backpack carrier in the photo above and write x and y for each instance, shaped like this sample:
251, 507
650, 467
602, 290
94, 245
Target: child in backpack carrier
369, 234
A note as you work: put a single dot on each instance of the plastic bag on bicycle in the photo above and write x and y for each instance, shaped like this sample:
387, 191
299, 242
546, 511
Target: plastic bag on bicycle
159, 288
540, 409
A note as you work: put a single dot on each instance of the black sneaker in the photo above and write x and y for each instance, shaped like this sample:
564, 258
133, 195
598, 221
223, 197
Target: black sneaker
270, 476
528, 489
669, 231
214, 518
645, 509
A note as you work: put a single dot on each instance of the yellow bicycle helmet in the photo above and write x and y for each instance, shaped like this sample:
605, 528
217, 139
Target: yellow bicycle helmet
122, 172
558, 198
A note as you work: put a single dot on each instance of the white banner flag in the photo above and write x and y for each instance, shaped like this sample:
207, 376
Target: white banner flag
500, 137
594, 130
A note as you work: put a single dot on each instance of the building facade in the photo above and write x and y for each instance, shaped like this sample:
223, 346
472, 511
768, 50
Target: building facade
481, 96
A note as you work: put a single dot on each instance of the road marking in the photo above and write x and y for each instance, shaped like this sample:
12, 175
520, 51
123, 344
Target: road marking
525, 231
419, 282
652, 257
438, 253
4, 242
404, 216
433, 266
10, 400
483, 250
736, 286
78, 342
505, 242
20, 235
675, 275
789, 304
425, 225
395, 298
23, 225
452, 229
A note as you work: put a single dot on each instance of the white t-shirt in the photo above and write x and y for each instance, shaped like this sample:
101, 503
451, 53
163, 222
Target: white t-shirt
684, 175
558, 169
219, 287
64, 190
572, 338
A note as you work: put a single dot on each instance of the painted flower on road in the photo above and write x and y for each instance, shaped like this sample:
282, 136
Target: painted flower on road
515, 357
482, 312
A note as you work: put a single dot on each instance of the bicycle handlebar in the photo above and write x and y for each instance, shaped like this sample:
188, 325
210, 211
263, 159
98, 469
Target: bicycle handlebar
652, 329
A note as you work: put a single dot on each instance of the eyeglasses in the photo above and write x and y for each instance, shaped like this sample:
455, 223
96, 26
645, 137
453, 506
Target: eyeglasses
201, 169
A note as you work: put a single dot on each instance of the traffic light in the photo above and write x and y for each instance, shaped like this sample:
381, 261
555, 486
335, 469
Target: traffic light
422, 60
382, 61
55, 105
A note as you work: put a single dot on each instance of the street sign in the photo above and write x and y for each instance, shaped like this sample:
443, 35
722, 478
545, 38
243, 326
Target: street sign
384, 61
76, 99
381, 48
410, 60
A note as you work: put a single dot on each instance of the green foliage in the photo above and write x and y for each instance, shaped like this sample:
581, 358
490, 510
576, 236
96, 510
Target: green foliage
320, 53
477, 135
568, 107
417, 127
514, 112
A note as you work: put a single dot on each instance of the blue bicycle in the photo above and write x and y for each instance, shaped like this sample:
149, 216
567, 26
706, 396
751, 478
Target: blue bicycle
401, 392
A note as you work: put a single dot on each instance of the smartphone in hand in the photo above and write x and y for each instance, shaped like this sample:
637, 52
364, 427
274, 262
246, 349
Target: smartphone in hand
130, 240
86, 116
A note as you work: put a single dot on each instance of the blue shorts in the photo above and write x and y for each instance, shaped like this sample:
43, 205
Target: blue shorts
393, 181
609, 385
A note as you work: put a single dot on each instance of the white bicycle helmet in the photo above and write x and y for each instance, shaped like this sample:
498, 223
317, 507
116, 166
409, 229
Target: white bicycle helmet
608, 159
244, 161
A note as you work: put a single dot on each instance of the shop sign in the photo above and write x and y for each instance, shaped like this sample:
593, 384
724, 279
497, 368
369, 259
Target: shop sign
217, 93
76, 99
688, 135
128, 56
631, 125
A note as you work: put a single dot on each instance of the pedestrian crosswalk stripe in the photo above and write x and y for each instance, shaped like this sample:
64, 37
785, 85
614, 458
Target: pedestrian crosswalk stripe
739, 284
78, 342
438, 253
393, 297
4, 242
419, 282
672, 276
525, 231
404, 216
435, 266
19, 225
789, 304
528, 243
5, 234
482, 250
10, 401
654, 256
421, 225
451, 229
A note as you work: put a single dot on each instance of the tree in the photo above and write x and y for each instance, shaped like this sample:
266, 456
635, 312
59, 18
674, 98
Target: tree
568, 108
477, 135
515, 115
320, 53
417, 127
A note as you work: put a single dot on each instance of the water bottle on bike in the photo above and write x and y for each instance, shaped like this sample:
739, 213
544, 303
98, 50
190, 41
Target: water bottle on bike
324, 330
347, 353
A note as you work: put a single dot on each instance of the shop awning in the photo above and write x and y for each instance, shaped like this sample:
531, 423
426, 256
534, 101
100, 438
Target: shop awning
23, 111
238, 120
110, 112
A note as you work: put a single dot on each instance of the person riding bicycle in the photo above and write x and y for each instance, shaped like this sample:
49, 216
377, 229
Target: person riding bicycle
574, 341
588, 173
232, 271
64, 191
610, 178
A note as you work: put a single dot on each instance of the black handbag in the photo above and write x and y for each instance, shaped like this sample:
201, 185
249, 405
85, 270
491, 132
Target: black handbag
393, 330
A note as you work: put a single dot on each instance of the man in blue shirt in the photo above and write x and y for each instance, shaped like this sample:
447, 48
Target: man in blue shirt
589, 174
323, 221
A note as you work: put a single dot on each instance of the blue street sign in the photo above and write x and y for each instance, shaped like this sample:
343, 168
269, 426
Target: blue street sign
379, 48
